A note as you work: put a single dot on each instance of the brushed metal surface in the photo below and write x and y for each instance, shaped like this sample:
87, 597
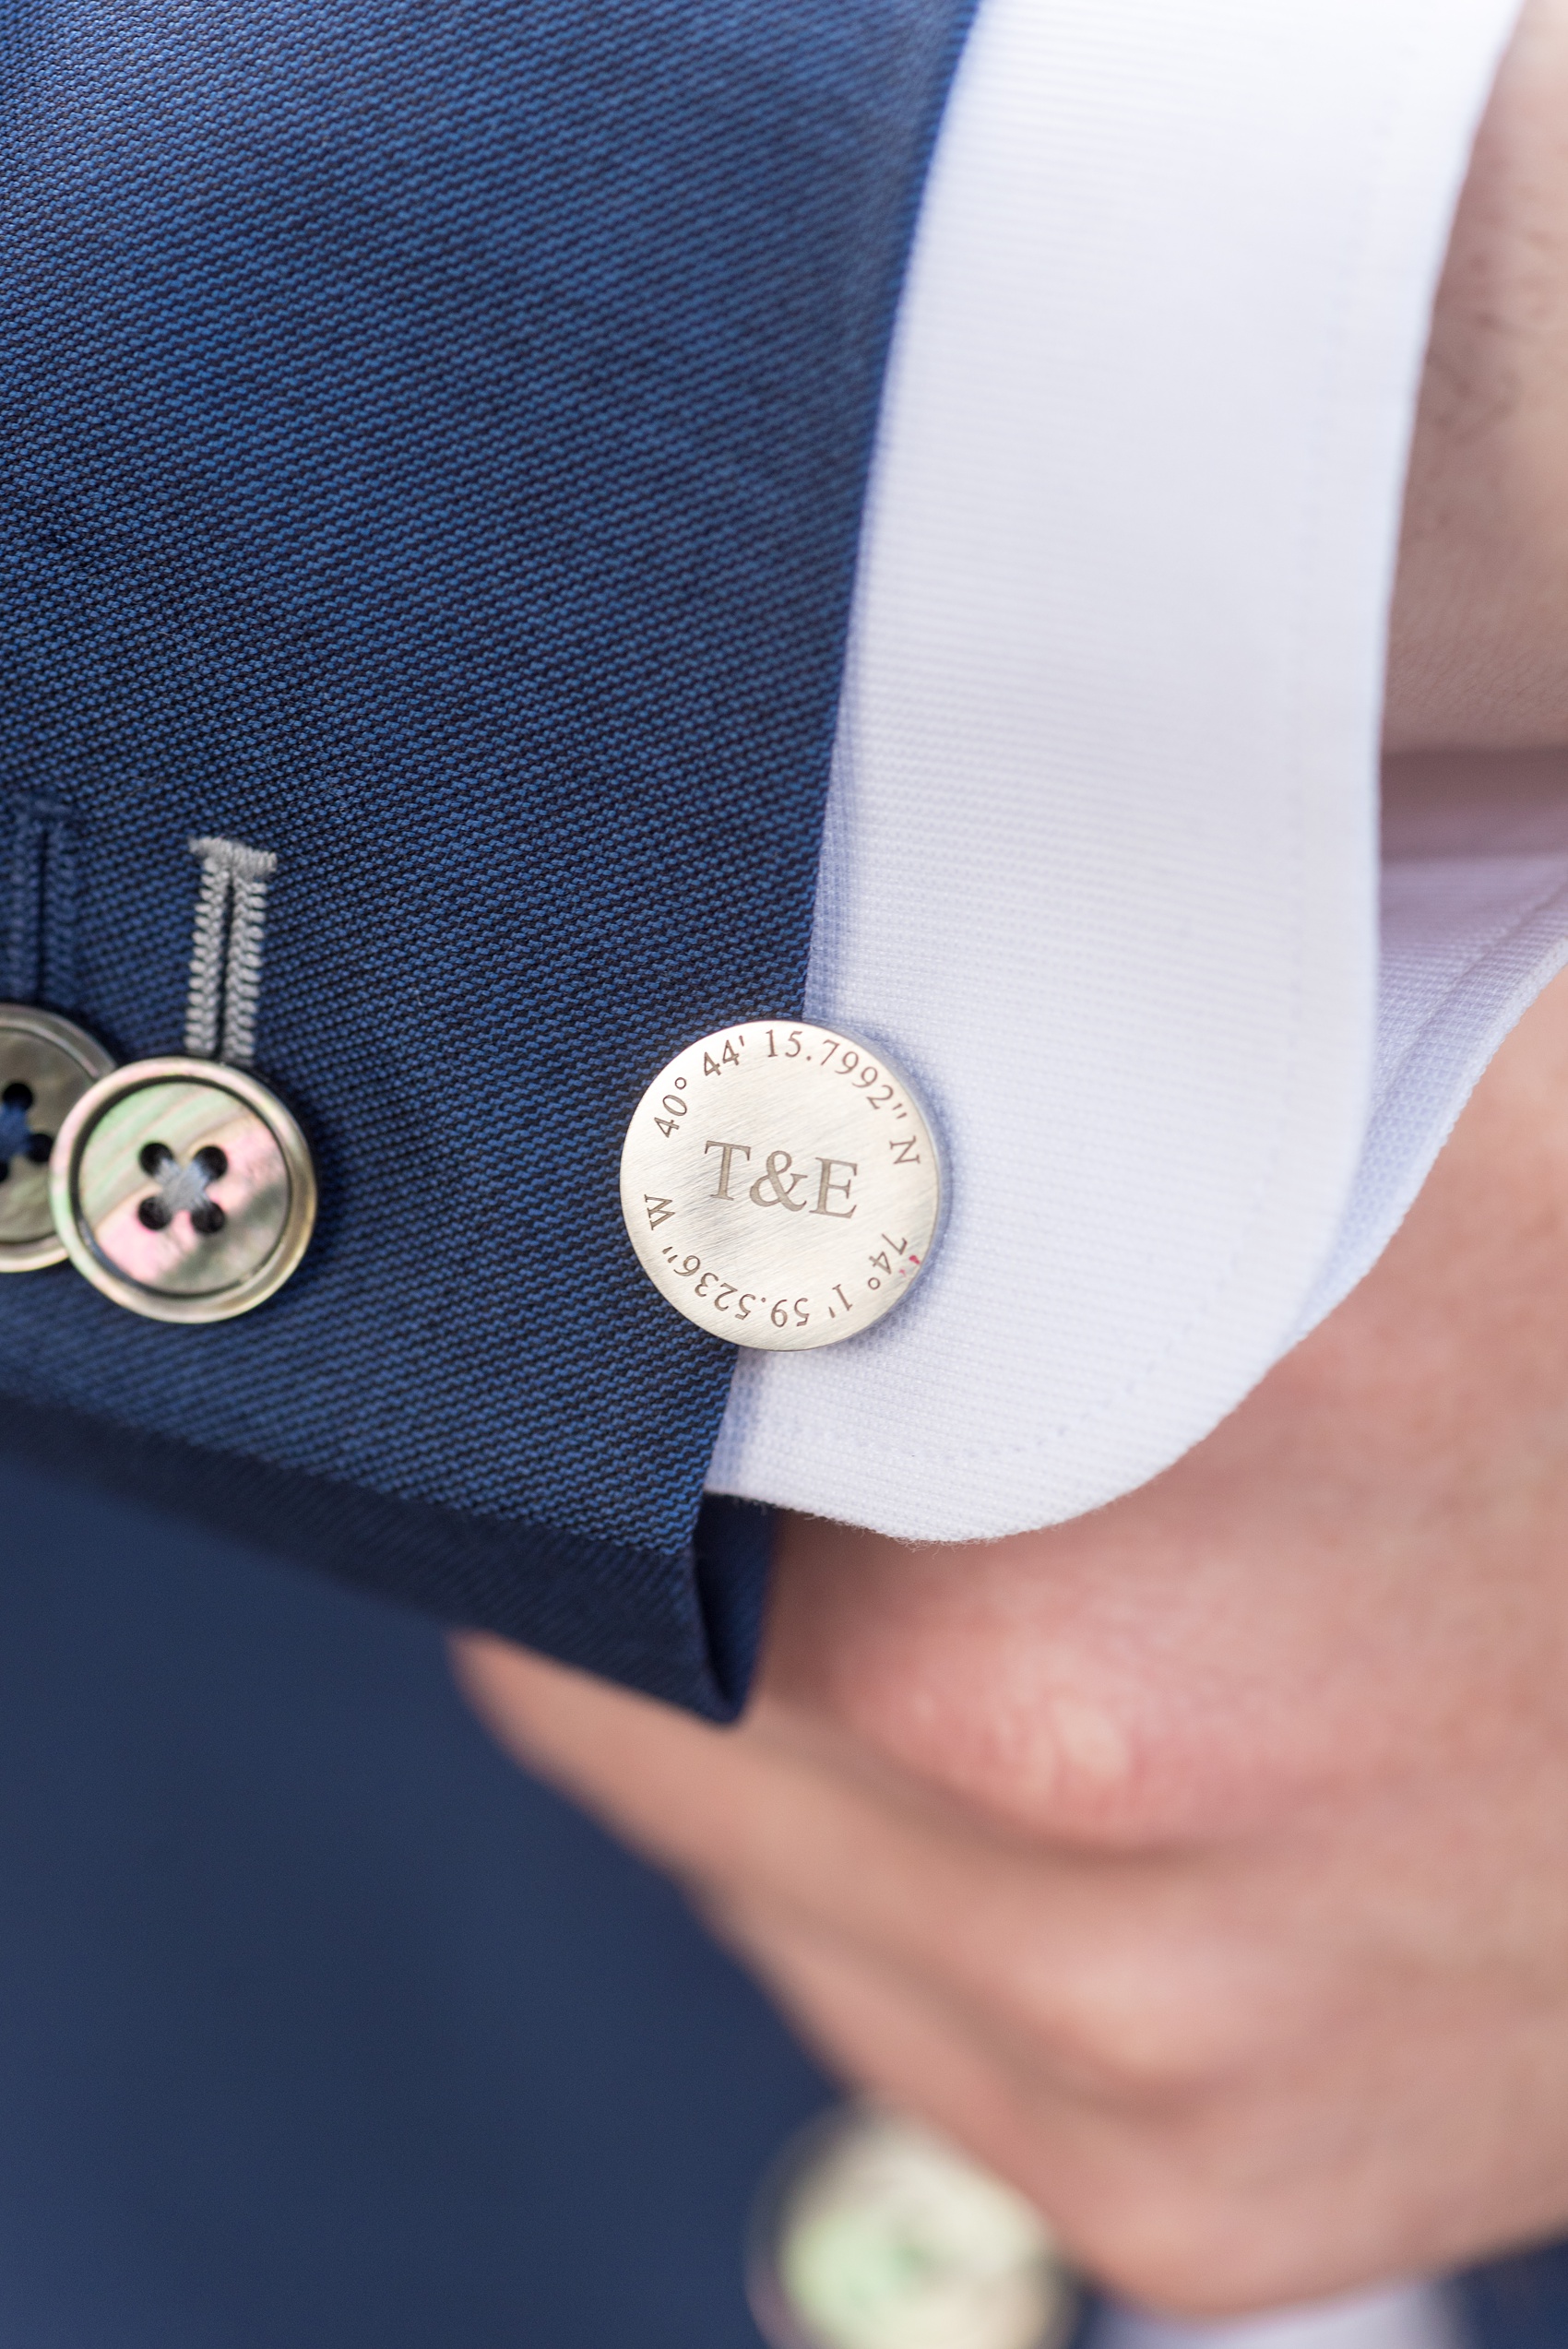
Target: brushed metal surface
780, 1184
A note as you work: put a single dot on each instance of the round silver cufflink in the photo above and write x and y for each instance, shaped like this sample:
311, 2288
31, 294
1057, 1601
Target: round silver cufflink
780, 1184
183, 1189
46, 1066
874, 2233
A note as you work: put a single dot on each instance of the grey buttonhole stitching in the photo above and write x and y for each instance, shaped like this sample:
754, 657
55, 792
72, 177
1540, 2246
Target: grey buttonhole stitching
226, 943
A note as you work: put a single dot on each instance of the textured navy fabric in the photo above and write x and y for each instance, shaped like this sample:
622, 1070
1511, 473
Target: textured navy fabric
434, 439
687, 1635
1520, 2303
320, 2024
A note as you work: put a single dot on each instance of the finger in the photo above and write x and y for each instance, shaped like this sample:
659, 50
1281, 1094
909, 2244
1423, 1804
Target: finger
1135, 1978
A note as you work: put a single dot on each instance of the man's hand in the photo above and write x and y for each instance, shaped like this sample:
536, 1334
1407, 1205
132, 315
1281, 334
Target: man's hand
1203, 1864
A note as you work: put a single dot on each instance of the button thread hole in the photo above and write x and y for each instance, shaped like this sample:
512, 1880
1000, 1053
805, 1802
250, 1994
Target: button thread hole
181, 1190
17, 1139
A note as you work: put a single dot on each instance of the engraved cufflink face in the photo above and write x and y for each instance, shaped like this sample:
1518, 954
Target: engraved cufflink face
183, 1189
781, 1185
873, 2233
46, 1064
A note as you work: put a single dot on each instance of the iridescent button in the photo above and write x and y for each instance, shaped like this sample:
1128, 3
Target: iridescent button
184, 1189
781, 1185
874, 2233
46, 1064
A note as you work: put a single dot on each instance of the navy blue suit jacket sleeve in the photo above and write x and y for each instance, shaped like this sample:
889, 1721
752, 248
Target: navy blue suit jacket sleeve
435, 442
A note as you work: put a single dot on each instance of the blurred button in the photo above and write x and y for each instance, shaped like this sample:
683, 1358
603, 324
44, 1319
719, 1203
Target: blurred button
46, 1064
184, 1189
874, 2233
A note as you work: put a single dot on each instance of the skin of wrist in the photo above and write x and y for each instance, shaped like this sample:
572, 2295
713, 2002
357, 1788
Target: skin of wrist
1478, 655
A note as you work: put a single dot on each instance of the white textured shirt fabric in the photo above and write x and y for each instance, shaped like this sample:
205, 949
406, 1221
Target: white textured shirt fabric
1101, 865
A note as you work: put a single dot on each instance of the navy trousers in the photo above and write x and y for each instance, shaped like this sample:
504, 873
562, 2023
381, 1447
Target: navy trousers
321, 2026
